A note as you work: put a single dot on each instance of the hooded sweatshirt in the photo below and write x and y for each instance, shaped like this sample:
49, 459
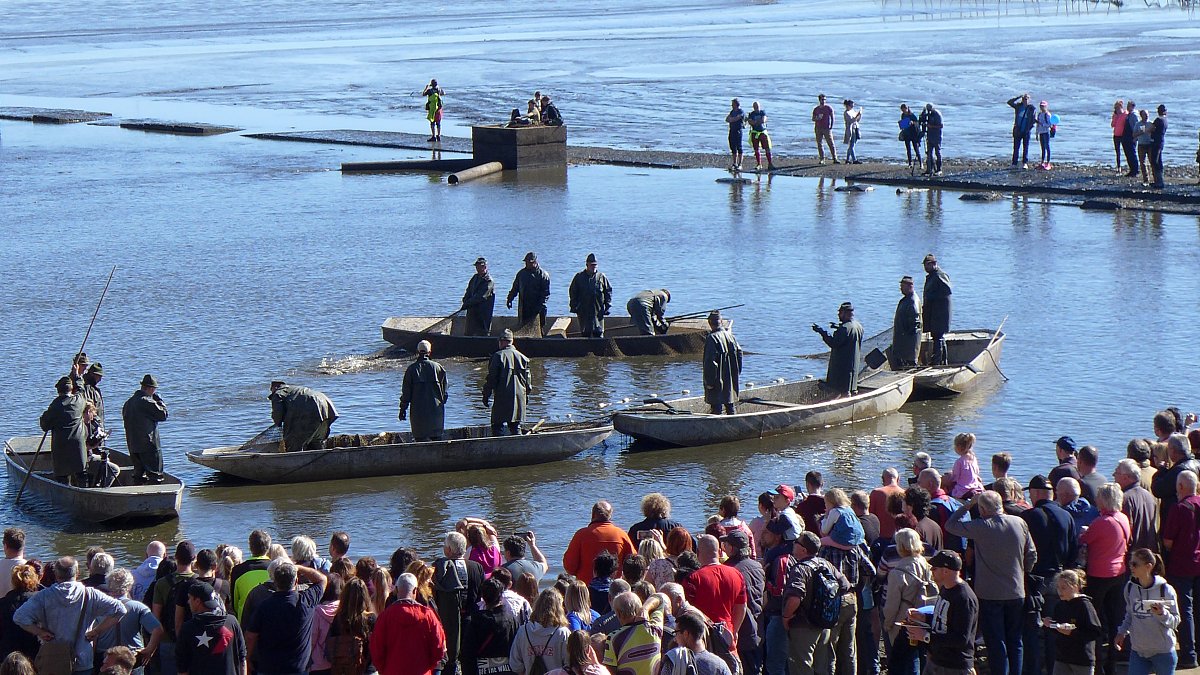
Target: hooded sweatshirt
143, 577
1150, 634
322, 621
532, 639
57, 610
909, 585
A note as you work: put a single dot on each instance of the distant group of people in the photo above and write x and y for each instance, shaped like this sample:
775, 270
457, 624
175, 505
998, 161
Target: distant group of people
539, 111
1141, 141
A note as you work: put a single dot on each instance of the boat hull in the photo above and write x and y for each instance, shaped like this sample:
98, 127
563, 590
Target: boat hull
785, 408
974, 357
621, 338
123, 501
474, 450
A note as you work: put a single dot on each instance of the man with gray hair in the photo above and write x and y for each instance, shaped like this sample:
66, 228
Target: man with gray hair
717, 590
138, 619
60, 609
98, 569
1005, 556
304, 553
1138, 505
921, 461
279, 631
1165, 481
456, 586
1181, 538
1069, 495
607, 623
408, 638
629, 649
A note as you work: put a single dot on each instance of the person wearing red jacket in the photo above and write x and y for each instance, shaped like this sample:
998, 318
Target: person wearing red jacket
408, 637
600, 535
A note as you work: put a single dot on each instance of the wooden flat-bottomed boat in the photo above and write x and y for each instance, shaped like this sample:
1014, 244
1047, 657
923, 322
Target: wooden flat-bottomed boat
396, 454
124, 501
973, 355
765, 411
621, 337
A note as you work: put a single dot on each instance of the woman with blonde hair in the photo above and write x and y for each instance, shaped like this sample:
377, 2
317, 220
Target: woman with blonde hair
17, 663
424, 575
381, 589
1075, 624
578, 605
544, 635
909, 585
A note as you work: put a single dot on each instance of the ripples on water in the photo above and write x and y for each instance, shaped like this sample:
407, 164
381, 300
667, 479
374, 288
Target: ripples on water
240, 261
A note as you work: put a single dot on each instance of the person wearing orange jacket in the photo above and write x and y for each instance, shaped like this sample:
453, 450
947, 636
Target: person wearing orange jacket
600, 535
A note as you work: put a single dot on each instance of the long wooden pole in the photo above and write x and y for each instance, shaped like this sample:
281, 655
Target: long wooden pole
86, 335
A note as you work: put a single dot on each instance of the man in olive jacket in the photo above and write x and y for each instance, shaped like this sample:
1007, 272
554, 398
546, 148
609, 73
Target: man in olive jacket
141, 414
68, 435
845, 351
935, 314
305, 415
906, 327
480, 300
591, 298
722, 367
424, 390
508, 381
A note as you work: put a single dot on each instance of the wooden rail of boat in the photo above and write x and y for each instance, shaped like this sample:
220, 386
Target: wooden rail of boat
973, 355
621, 337
396, 454
123, 501
765, 411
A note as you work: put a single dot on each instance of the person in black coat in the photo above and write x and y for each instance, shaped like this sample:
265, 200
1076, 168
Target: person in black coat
13, 638
935, 311
489, 632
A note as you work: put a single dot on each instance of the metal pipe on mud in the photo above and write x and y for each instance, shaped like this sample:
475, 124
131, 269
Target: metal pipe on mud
474, 172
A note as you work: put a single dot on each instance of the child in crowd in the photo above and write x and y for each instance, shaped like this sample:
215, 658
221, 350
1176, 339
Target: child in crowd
1076, 625
965, 479
840, 528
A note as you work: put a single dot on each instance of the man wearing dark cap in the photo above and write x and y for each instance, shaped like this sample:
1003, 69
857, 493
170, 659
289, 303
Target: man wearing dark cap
531, 289
424, 389
722, 367
211, 642
648, 311
1158, 135
809, 649
906, 327
305, 415
141, 415
1064, 449
845, 351
1053, 532
508, 380
63, 419
951, 632
935, 312
590, 295
480, 300
736, 545
91, 389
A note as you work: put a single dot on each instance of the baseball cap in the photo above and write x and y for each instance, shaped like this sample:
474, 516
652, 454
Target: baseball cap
786, 491
947, 560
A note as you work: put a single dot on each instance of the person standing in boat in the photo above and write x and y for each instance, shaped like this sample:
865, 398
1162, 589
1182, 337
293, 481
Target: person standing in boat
68, 434
90, 389
480, 300
722, 367
935, 313
591, 298
647, 309
141, 415
845, 351
305, 415
531, 290
424, 390
508, 381
906, 327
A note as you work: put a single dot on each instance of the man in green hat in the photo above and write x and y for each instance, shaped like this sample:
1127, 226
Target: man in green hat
480, 300
647, 309
68, 435
531, 288
141, 415
591, 298
508, 380
91, 389
424, 390
305, 415
845, 351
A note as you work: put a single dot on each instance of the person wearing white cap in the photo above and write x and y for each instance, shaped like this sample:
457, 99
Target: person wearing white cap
424, 391
508, 380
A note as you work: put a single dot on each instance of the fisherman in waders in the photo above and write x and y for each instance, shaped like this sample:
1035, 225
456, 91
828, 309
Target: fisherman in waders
508, 380
722, 367
845, 351
424, 390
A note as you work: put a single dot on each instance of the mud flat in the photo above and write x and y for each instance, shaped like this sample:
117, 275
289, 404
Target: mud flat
50, 115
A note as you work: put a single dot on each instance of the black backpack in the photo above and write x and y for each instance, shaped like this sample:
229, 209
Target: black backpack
824, 597
539, 666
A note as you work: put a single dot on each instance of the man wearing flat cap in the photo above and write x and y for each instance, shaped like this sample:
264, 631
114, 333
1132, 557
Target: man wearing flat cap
141, 415
63, 419
906, 327
305, 415
935, 313
531, 289
648, 311
591, 298
424, 390
845, 351
480, 300
507, 380
722, 367
90, 389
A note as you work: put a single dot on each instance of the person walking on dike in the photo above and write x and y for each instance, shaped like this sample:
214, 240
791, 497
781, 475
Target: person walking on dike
433, 109
722, 367
507, 380
424, 390
590, 297
1024, 118
759, 139
851, 116
822, 117
1158, 136
1151, 616
1129, 138
931, 127
845, 351
936, 309
531, 290
950, 638
736, 119
1045, 128
68, 434
1118, 129
648, 311
479, 300
910, 135
304, 414
142, 414
906, 327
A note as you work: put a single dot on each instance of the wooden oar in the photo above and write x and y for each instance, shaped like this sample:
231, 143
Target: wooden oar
86, 335
436, 327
